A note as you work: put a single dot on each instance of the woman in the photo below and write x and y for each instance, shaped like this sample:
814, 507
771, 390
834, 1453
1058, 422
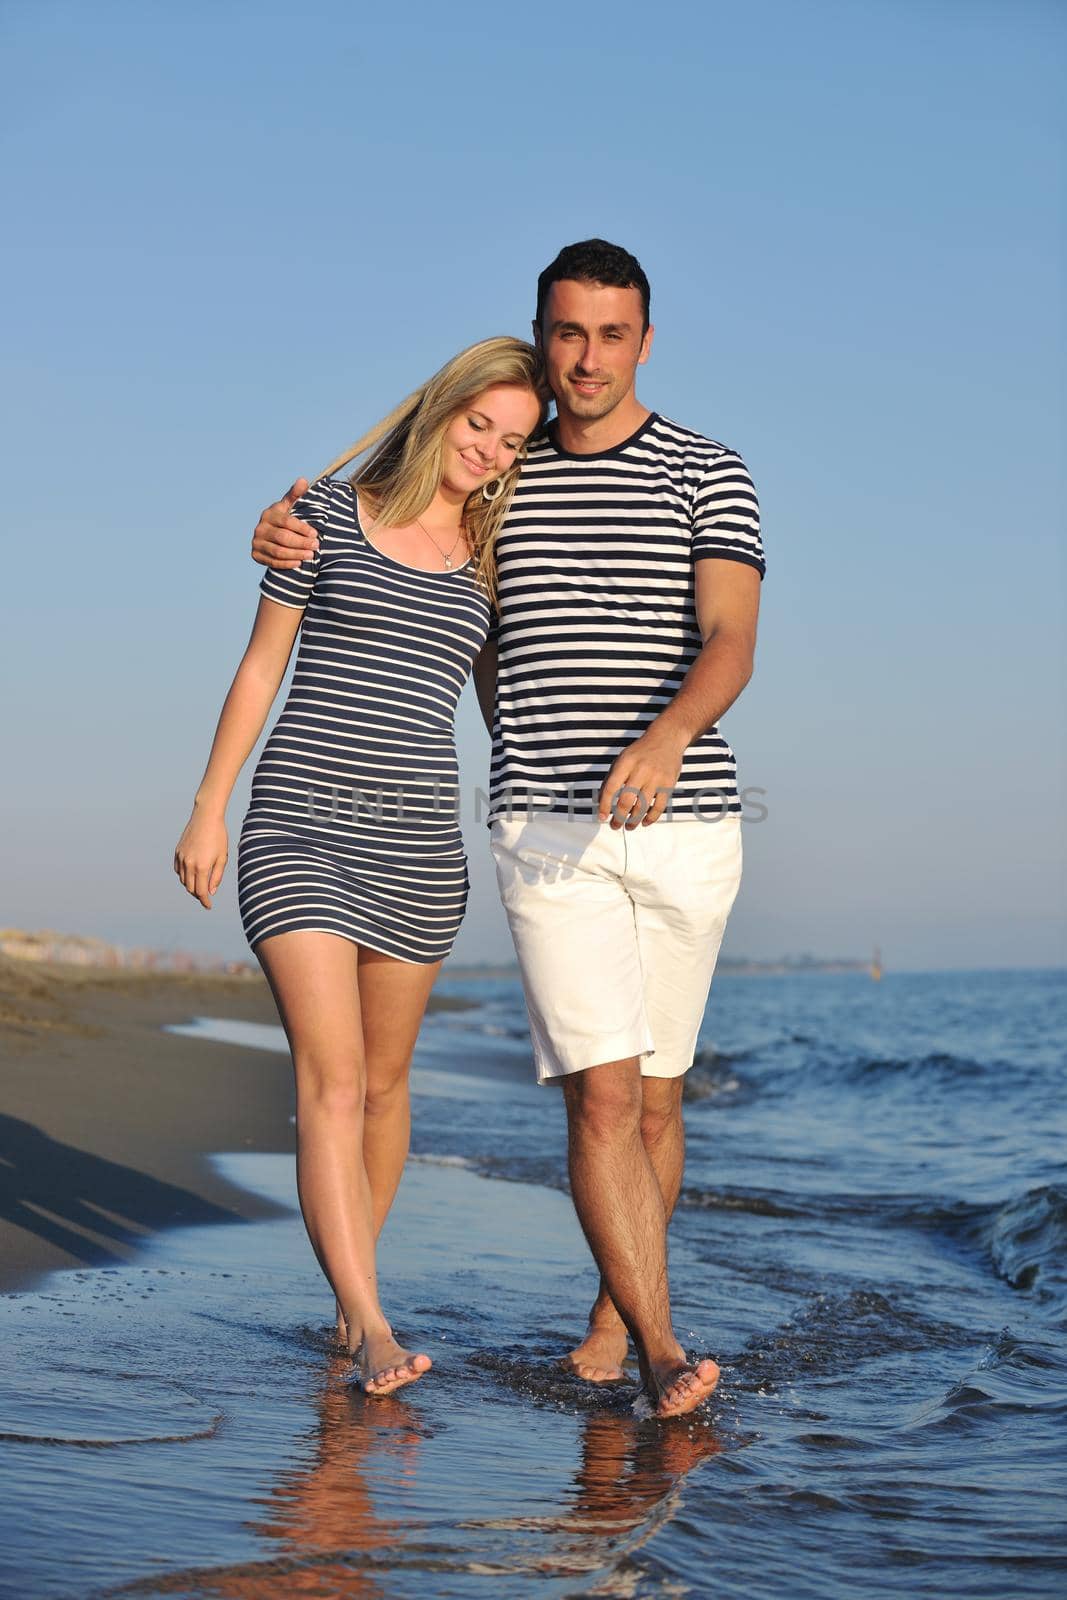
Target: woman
352, 878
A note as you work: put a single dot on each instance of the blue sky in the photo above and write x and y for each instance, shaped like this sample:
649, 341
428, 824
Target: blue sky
239, 233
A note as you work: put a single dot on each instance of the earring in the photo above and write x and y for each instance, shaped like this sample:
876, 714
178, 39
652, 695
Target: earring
497, 492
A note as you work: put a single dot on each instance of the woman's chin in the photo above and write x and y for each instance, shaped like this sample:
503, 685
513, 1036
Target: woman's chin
463, 483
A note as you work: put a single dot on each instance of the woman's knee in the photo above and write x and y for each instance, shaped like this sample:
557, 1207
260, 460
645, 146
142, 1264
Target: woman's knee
387, 1087
330, 1084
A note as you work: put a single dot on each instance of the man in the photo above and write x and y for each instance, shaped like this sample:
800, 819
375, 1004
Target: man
629, 573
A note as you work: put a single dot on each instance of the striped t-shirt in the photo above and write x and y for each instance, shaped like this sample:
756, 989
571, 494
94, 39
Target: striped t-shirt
597, 625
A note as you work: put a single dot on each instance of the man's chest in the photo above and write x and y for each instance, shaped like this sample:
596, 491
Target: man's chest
632, 559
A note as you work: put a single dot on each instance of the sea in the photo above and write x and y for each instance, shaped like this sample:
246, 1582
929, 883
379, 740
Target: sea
871, 1240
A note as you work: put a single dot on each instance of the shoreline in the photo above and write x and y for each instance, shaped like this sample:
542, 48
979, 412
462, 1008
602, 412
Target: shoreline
110, 1124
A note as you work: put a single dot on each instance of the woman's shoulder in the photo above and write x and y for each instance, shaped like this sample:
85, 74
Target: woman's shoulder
333, 492
328, 503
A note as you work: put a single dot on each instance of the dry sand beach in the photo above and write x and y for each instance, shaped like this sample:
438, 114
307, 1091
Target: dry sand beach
107, 1120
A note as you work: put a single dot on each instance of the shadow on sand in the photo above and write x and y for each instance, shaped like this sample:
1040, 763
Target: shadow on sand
85, 1205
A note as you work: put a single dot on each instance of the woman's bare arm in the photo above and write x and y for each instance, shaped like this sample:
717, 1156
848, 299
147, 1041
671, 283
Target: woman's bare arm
201, 853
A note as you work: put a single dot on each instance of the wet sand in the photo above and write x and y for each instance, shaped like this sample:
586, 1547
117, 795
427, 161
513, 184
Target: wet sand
179, 1423
233, 1459
183, 1417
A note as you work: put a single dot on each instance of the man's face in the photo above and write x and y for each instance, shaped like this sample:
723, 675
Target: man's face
593, 344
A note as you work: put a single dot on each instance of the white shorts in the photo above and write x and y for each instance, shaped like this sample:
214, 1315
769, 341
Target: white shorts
617, 934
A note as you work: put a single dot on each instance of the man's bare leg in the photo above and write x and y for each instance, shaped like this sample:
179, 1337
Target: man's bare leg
621, 1210
600, 1355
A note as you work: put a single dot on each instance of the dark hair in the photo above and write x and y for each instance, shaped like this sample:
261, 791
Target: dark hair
595, 261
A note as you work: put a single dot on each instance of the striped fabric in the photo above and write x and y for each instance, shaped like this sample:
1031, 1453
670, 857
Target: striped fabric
598, 623
352, 827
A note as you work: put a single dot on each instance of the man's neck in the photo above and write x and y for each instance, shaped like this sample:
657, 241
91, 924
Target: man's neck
591, 437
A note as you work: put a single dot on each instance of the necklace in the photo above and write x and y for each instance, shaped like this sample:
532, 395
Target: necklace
446, 558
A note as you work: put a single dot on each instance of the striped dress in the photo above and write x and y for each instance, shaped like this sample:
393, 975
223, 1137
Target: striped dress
353, 824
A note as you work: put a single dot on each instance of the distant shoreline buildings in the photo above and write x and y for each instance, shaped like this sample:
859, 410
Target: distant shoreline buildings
81, 950
734, 966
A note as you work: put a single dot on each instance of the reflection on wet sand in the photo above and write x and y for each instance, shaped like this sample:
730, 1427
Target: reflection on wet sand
625, 1488
334, 1504
354, 1519
326, 1516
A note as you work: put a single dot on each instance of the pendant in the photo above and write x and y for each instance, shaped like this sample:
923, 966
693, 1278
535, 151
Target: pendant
448, 561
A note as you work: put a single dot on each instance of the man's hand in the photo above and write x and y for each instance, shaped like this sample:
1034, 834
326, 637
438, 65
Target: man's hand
638, 787
282, 541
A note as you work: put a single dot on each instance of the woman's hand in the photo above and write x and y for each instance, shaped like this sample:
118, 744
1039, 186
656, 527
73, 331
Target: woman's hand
201, 854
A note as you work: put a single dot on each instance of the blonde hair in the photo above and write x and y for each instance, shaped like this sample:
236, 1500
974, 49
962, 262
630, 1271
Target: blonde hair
403, 475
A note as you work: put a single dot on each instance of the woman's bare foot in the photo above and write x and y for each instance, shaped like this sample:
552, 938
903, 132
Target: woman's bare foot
599, 1357
384, 1367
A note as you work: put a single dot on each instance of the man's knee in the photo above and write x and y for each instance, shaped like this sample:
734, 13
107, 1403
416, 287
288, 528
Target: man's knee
661, 1108
604, 1102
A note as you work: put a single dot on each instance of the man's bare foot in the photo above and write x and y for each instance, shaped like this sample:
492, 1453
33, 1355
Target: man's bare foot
599, 1357
383, 1366
679, 1387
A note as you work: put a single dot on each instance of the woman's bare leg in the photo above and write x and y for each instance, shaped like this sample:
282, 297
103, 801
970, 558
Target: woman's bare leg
393, 996
315, 980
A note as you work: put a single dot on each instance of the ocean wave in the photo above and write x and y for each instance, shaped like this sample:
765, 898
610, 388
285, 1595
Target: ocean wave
938, 1064
1024, 1239
756, 1202
483, 1027
833, 1333
712, 1077
429, 1159
722, 1060
843, 1068
1015, 1378
793, 1065
955, 1218
1028, 1245
91, 1408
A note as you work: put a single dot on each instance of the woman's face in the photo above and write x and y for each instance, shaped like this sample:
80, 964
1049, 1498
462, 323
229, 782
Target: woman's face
483, 440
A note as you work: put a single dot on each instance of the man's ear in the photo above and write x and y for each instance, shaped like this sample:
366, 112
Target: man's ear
536, 326
646, 346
